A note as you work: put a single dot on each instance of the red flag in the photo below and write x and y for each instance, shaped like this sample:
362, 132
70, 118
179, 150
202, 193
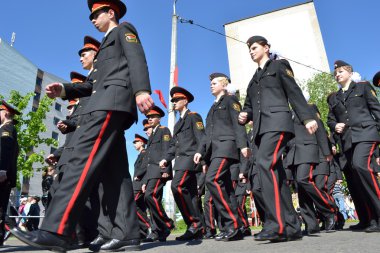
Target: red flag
176, 76
161, 97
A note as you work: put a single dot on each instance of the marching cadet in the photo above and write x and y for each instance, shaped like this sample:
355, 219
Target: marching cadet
117, 88
187, 136
267, 104
139, 173
225, 139
147, 128
307, 154
156, 178
354, 114
9, 151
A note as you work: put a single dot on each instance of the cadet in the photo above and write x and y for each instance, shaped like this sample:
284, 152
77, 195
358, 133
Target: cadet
267, 104
9, 151
118, 85
155, 178
355, 114
225, 139
187, 136
138, 176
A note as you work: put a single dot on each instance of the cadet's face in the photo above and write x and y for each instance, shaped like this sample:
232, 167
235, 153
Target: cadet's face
257, 51
2, 115
70, 110
137, 145
87, 58
149, 131
101, 20
216, 86
179, 104
342, 76
154, 120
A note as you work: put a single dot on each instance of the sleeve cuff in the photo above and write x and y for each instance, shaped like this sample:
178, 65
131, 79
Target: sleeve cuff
142, 92
63, 92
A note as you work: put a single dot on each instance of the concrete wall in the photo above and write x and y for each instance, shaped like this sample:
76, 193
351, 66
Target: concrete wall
294, 32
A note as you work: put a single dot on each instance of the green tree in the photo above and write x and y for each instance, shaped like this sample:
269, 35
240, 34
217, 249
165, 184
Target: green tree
29, 128
319, 87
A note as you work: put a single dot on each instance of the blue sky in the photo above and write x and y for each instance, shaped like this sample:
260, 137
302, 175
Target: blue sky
50, 33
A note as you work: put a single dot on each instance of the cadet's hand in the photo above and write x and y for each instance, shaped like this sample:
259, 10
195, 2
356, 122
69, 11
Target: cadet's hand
205, 168
143, 188
329, 158
378, 161
51, 159
163, 164
243, 117
339, 127
197, 158
339, 181
136, 179
248, 191
144, 102
246, 152
62, 126
242, 178
165, 175
311, 126
54, 90
333, 149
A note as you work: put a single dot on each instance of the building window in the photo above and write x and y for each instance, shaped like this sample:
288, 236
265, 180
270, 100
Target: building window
54, 135
56, 120
58, 107
52, 150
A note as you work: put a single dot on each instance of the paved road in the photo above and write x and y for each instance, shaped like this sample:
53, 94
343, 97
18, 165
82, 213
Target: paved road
342, 241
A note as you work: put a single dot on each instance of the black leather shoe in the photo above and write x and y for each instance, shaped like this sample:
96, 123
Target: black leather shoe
311, 232
114, 245
372, 228
163, 235
246, 231
97, 243
330, 224
220, 236
359, 226
152, 237
43, 240
190, 234
233, 235
296, 236
210, 234
271, 236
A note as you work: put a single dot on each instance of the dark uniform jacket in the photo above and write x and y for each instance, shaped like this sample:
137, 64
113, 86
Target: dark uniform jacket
120, 71
224, 135
157, 148
268, 95
187, 136
308, 148
140, 170
9, 150
359, 109
72, 122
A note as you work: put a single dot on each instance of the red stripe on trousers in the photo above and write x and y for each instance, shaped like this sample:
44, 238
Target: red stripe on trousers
179, 188
211, 216
74, 197
221, 194
157, 205
275, 186
143, 220
317, 190
137, 196
371, 171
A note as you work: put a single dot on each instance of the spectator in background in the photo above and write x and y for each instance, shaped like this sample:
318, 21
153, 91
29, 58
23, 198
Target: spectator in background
338, 194
47, 180
350, 207
34, 210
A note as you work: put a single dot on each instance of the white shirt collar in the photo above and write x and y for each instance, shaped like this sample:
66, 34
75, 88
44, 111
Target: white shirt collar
183, 113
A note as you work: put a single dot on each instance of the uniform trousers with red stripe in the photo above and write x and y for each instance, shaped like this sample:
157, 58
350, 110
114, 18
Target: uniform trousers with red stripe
184, 189
211, 215
280, 216
240, 203
141, 213
98, 154
258, 195
219, 184
310, 196
362, 178
160, 221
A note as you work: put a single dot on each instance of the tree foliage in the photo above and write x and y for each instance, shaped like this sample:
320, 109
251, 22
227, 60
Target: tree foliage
30, 126
319, 87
